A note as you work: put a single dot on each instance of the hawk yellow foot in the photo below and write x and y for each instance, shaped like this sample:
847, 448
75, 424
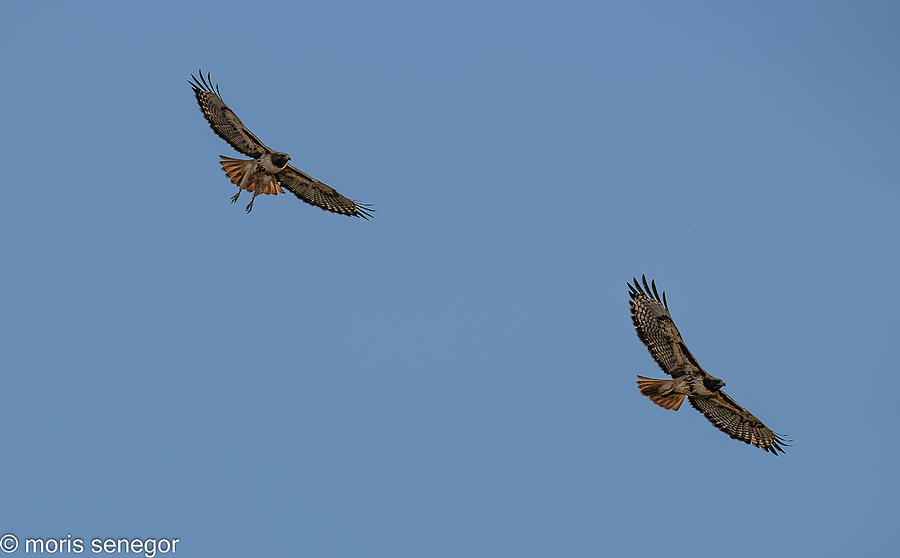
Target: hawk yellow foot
235, 197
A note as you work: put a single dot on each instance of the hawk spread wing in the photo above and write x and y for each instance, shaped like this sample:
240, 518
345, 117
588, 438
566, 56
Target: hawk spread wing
223, 121
655, 328
320, 194
226, 124
725, 414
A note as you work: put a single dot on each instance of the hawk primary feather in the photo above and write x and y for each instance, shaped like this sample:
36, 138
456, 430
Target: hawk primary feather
655, 328
268, 168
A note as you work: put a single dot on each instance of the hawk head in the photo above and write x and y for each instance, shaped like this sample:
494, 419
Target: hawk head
280, 159
713, 384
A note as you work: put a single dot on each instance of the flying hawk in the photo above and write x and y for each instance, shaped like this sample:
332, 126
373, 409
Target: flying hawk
655, 328
268, 172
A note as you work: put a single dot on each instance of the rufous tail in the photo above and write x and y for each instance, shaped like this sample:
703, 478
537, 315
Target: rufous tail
260, 183
234, 168
660, 392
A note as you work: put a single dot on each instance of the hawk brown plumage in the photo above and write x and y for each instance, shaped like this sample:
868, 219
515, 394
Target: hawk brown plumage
655, 328
268, 172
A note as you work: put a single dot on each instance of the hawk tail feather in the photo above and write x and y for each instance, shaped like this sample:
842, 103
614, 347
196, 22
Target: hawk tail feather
258, 183
660, 392
234, 168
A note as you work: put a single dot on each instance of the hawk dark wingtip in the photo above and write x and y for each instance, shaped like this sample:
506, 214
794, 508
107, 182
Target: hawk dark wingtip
655, 292
776, 445
204, 83
364, 210
647, 289
634, 287
211, 86
195, 84
775, 448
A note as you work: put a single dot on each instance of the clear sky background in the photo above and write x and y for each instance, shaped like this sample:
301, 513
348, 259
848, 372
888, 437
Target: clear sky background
455, 377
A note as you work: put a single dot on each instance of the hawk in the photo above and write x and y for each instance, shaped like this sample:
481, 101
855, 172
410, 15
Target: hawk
268, 171
657, 331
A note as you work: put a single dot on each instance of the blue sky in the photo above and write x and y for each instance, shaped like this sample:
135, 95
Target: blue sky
456, 376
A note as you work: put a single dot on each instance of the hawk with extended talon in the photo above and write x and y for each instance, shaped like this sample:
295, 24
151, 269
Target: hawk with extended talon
268, 172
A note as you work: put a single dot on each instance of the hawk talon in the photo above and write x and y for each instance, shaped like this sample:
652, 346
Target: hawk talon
250, 205
234, 198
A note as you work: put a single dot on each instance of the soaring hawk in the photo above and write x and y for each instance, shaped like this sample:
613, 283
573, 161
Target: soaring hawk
268, 172
655, 328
